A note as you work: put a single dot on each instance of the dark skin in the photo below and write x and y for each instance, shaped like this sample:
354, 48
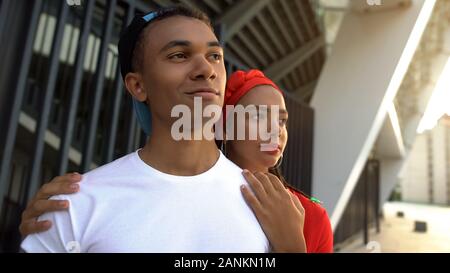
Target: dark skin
178, 62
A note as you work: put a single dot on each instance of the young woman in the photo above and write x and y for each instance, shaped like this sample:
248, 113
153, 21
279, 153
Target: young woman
279, 215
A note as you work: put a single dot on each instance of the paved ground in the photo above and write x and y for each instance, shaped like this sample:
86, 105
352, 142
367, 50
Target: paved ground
397, 234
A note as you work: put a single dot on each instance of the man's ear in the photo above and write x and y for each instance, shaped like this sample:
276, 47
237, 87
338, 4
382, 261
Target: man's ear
135, 86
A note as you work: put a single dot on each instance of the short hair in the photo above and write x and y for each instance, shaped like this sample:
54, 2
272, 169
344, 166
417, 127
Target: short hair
164, 13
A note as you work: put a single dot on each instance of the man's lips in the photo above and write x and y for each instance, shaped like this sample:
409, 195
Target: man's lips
204, 91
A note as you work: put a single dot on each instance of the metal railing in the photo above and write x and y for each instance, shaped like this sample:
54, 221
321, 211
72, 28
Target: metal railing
362, 210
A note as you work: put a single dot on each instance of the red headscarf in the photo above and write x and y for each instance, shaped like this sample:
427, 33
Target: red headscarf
241, 82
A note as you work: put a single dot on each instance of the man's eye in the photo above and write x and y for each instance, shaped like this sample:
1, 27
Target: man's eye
178, 56
216, 56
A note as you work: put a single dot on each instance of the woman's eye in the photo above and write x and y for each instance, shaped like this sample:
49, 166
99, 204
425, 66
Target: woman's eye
259, 116
255, 117
283, 121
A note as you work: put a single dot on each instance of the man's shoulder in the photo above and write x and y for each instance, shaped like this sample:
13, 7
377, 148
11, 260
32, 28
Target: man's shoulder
119, 167
97, 181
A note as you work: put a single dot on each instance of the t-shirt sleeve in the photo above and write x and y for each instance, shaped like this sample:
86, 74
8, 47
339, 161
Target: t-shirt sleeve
325, 244
58, 239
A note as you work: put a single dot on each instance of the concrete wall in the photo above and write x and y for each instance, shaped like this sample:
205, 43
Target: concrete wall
357, 85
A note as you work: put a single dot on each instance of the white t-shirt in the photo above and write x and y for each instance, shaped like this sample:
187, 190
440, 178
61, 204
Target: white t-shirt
128, 206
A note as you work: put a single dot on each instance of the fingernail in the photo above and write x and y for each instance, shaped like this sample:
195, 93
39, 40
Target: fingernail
75, 175
62, 204
242, 187
245, 171
74, 187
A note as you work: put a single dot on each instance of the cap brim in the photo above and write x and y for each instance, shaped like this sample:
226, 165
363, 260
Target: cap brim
143, 115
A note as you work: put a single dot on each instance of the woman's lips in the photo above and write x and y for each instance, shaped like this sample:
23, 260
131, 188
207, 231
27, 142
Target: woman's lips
270, 148
275, 152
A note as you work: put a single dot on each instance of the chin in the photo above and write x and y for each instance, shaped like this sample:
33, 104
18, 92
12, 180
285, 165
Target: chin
217, 102
269, 163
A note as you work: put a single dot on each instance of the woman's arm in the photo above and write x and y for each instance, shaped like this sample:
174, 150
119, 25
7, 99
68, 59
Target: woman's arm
40, 204
279, 211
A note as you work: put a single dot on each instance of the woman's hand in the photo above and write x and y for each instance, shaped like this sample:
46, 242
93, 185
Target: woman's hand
279, 211
66, 184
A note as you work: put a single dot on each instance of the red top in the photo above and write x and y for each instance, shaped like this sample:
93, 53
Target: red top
317, 228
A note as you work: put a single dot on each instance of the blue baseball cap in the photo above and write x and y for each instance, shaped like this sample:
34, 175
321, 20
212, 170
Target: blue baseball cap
127, 43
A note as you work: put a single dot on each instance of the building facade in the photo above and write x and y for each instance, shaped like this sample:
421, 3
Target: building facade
426, 178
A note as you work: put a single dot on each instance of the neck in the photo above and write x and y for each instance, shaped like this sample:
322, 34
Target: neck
182, 158
246, 164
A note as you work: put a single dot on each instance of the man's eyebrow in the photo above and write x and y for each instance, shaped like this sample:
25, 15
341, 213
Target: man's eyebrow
185, 43
214, 44
175, 44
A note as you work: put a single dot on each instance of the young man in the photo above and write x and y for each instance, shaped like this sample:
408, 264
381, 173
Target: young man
170, 196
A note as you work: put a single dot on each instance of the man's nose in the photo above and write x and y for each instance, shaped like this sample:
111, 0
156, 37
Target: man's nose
203, 69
